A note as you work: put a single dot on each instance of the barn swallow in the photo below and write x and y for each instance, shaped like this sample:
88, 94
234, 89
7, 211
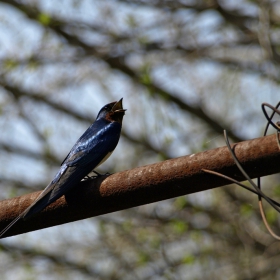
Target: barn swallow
92, 148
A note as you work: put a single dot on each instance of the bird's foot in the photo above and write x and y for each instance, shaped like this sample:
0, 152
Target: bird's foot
99, 174
87, 178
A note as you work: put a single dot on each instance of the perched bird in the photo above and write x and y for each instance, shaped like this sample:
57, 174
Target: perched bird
92, 148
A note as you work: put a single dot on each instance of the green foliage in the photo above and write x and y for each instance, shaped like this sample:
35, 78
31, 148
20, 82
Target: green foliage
143, 258
179, 226
271, 215
188, 259
131, 21
246, 210
145, 76
276, 190
180, 202
10, 64
44, 19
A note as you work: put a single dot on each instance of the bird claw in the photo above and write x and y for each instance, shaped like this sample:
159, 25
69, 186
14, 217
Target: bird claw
87, 178
99, 174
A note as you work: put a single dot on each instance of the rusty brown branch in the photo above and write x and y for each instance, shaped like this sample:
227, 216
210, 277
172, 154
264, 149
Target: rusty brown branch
147, 184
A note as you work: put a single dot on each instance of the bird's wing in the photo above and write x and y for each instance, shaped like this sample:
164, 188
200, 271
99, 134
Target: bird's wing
93, 148
90, 132
97, 140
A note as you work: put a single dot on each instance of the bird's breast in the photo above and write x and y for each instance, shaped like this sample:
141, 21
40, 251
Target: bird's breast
105, 158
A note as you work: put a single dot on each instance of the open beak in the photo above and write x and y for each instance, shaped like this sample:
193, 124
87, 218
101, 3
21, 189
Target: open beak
118, 108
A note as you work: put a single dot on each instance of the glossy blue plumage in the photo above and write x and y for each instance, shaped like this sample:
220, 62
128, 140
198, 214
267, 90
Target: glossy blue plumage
95, 145
99, 139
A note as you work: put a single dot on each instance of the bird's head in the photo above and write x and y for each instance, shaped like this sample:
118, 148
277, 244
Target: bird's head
112, 112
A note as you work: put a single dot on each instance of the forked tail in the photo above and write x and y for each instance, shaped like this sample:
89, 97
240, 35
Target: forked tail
9, 226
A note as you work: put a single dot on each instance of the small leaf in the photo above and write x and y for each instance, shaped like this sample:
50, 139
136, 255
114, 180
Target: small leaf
143, 258
271, 215
179, 226
188, 259
180, 202
10, 64
276, 190
45, 19
246, 209
131, 21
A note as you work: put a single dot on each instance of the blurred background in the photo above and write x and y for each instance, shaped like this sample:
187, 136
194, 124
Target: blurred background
186, 70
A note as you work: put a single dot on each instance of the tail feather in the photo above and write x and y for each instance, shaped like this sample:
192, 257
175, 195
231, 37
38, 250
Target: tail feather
57, 188
9, 226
